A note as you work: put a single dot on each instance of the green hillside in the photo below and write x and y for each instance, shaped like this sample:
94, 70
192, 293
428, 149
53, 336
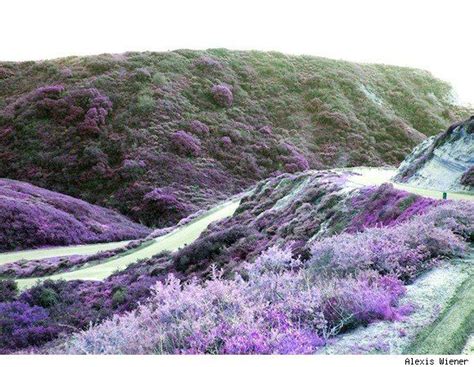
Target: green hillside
159, 135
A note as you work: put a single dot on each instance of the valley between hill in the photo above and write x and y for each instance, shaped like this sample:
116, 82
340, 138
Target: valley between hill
364, 176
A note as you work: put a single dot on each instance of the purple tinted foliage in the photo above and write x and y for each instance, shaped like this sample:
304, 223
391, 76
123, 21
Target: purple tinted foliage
278, 309
99, 107
59, 219
293, 159
222, 94
22, 325
185, 144
404, 250
161, 202
5, 73
199, 128
85, 107
66, 73
467, 178
266, 130
386, 206
226, 140
132, 168
8, 290
207, 63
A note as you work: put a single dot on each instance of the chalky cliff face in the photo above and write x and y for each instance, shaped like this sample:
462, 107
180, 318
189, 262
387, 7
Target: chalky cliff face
443, 162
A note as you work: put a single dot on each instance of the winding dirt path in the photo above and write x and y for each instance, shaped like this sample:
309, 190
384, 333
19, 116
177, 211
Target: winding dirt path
171, 242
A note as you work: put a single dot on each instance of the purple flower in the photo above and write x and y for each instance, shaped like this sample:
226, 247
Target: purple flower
222, 94
186, 144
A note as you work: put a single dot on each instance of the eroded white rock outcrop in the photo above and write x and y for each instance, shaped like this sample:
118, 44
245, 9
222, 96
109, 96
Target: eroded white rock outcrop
444, 162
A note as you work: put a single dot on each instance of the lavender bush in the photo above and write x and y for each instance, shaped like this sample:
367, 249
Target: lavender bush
185, 143
279, 309
386, 206
222, 94
86, 106
281, 304
199, 128
22, 325
35, 217
403, 251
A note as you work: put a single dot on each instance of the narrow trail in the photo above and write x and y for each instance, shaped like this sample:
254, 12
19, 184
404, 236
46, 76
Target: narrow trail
171, 242
38, 254
366, 176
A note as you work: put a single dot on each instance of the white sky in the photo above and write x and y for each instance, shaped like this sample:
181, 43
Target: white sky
437, 36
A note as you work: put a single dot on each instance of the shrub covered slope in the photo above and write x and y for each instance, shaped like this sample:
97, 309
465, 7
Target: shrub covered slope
303, 259
34, 217
157, 135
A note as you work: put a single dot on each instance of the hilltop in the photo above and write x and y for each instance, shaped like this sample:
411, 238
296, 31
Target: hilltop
158, 136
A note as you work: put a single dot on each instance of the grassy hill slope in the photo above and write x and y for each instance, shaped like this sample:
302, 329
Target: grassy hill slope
157, 135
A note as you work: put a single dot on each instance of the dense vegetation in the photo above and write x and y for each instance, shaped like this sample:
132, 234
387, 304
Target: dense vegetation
158, 135
34, 217
301, 261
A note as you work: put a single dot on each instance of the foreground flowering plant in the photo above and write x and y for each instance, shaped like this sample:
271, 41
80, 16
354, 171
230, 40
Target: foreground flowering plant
276, 292
279, 304
279, 308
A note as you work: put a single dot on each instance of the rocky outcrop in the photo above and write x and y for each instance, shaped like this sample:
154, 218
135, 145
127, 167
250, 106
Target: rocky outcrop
443, 162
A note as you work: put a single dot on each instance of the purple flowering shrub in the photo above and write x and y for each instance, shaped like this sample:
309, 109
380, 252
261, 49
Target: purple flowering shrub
86, 107
22, 325
403, 251
132, 168
185, 144
386, 206
5, 73
222, 94
199, 128
293, 159
207, 63
34, 217
8, 290
163, 203
467, 178
278, 309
